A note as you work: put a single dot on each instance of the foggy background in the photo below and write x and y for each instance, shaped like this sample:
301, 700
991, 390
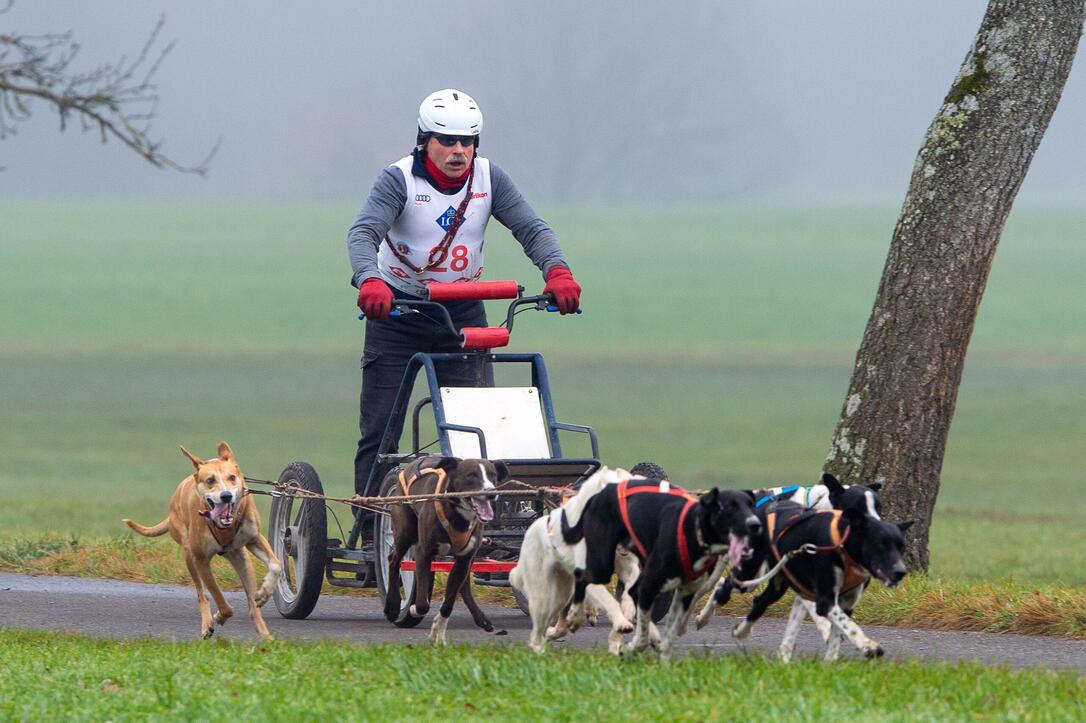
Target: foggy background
793, 102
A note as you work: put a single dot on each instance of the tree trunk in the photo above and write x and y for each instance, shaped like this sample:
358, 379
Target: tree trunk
894, 422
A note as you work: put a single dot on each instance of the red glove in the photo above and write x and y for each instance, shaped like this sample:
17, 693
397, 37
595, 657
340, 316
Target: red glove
566, 291
375, 299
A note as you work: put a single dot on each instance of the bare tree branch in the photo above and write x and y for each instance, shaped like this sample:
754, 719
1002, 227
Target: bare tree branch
119, 99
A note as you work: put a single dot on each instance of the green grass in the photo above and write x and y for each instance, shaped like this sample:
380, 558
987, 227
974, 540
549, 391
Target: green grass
716, 342
50, 676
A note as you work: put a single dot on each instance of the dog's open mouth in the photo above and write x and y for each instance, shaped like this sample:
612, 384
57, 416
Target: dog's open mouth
483, 508
221, 513
738, 549
885, 579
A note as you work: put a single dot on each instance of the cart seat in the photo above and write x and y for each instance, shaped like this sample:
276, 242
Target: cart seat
511, 419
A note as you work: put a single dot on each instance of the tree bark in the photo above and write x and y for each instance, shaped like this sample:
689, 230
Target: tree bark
897, 412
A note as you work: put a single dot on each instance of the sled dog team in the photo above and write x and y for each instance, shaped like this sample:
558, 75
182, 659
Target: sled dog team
825, 543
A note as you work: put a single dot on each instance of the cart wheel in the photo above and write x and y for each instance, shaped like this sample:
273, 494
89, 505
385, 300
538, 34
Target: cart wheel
298, 532
383, 541
522, 601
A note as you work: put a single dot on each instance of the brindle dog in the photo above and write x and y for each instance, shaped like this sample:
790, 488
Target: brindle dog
440, 527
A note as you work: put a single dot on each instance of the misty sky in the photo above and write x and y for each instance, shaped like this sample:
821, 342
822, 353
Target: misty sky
702, 102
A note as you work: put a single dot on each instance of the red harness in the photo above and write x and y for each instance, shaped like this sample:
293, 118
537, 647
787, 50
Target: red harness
624, 493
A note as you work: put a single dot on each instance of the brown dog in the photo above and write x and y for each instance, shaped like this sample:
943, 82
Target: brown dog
211, 513
440, 527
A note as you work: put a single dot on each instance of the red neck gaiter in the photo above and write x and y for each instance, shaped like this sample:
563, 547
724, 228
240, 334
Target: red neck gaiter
443, 182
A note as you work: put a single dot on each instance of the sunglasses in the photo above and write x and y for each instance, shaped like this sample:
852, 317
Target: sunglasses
450, 141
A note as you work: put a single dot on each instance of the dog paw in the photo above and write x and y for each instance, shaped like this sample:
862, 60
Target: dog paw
487, 626
702, 620
575, 619
623, 627
741, 630
261, 598
208, 632
874, 651
221, 616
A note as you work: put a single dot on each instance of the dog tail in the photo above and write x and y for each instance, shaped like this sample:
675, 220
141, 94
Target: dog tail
573, 511
514, 578
159, 529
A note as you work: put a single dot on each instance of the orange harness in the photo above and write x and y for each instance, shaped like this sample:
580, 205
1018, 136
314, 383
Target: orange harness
855, 575
458, 539
624, 493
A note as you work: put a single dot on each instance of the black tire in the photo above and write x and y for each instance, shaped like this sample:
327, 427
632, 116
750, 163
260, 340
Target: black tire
382, 546
298, 534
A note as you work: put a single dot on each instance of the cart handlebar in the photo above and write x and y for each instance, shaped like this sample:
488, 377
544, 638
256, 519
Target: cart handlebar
474, 338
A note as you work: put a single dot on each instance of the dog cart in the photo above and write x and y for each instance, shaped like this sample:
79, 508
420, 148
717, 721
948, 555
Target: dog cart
513, 424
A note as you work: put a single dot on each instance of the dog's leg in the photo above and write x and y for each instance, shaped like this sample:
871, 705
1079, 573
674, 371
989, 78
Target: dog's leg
207, 627
458, 576
424, 582
773, 592
833, 645
855, 635
602, 599
628, 570
224, 611
244, 570
394, 585
477, 613
262, 551
824, 626
648, 587
706, 612
791, 630
676, 615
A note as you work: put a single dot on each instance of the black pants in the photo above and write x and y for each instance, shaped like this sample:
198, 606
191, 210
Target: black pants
389, 346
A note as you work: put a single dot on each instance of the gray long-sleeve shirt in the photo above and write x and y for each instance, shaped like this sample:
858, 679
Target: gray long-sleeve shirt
389, 196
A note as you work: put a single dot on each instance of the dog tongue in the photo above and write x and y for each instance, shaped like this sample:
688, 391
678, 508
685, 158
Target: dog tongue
221, 511
736, 547
483, 509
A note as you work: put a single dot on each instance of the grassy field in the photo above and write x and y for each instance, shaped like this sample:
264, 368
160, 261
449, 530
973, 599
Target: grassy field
49, 676
716, 342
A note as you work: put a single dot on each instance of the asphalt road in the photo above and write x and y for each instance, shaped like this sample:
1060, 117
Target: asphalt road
113, 609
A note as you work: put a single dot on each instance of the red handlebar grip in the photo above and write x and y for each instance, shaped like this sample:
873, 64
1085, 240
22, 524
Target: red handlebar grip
484, 337
473, 290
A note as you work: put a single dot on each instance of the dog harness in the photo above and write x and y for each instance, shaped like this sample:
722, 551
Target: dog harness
784, 492
666, 488
855, 574
458, 539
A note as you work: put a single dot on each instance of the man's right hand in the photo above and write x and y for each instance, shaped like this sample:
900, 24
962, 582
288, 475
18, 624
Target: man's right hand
375, 299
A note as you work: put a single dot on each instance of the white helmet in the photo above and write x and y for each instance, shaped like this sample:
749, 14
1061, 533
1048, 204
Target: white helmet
450, 112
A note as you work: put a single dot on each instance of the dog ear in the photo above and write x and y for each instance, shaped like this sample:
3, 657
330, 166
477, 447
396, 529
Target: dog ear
832, 483
225, 453
750, 494
856, 517
875, 486
449, 464
502, 470
709, 499
904, 526
196, 461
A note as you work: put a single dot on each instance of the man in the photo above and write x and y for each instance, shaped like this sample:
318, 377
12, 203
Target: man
424, 221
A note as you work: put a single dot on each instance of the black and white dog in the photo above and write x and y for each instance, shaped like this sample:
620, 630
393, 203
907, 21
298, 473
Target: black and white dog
674, 534
545, 570
829, 494
828, 557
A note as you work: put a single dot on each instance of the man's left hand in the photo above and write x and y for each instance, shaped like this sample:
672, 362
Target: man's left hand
565, 291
